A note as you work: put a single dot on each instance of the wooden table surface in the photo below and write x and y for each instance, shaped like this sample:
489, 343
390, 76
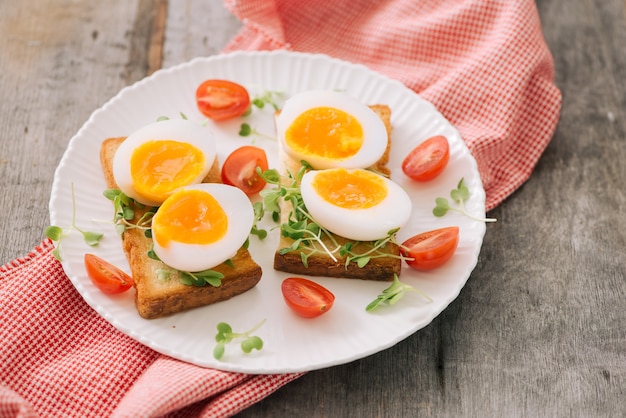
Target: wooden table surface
540, 327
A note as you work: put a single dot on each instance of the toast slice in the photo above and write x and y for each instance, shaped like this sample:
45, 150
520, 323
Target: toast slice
155, 297
320, 264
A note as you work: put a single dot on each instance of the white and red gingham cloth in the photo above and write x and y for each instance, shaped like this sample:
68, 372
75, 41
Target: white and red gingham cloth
483, 63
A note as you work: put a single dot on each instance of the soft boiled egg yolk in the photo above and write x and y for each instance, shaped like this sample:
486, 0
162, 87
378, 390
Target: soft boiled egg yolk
191, 217
330, 129
158, 167
326, 132
161, 157
355, 204
201, 226
350, 189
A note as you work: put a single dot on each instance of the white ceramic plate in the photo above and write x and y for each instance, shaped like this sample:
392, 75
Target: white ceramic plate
292, 344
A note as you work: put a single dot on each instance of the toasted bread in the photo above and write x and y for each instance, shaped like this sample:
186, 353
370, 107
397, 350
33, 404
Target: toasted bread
155, 297
320, 264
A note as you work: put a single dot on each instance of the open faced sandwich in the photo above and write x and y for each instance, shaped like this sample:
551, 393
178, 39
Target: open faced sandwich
191, 251
334, 149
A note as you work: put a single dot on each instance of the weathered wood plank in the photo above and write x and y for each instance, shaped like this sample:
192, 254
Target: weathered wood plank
195, 29
59, 62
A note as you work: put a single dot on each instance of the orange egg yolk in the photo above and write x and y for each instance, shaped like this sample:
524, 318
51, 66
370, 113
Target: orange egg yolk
190, 217
325, 132
350, 189
159, 167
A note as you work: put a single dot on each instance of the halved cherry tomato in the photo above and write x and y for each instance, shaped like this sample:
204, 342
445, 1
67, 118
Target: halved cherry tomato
428, 159
306, 298
107, 277
222, 99
239, 169
431, 249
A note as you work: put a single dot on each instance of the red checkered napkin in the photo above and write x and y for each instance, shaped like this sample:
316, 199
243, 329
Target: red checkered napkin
483, 63
485, 66
58, 358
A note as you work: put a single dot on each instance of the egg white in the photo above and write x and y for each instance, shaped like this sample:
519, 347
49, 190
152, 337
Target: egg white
368, 224
374, 131
180, 130
197, 257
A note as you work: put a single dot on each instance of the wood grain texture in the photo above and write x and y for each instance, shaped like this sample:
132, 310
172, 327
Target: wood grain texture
540, 327
58, 62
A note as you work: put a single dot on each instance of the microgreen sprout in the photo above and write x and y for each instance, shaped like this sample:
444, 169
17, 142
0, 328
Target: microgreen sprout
300, 226
259, 101
56, 233
258, 215
268, 97
201, 278
459, 196
246, 130
162, 118
226, 335
198, 278
375, 252
124, 215
393, 294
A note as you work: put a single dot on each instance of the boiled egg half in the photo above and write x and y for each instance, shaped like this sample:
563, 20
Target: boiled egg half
330, 129
356, 204
161, 157
201, 226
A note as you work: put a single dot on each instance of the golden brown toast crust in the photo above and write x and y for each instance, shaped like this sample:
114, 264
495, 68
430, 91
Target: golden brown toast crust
154, 297
321, 264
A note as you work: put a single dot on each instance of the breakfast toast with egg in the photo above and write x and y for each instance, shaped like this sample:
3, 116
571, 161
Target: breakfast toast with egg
320, 263
158, 290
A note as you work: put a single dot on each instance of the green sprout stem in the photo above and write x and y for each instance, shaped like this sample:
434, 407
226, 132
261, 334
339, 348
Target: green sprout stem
247, 130
459, 196
394, 293
226, 335
124, 212
317, 237
56, 233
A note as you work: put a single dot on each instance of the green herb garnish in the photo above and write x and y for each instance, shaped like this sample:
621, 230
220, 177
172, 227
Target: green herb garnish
259, 212
198, 278
124, 215
259, 101
375, 252
246, 130
226, 335
201, 278
56, 233
268, 97
393, 294
163, 118
459, 196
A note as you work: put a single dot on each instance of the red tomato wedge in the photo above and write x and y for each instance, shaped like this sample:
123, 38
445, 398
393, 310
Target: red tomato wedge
222, 99
428, 159
306, 298
431, 249
239, 169
107, 277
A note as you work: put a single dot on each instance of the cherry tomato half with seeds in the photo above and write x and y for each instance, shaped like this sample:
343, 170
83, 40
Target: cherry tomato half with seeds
431, 249
306, 298
222, 99
428, 159
105, 276
239, 169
